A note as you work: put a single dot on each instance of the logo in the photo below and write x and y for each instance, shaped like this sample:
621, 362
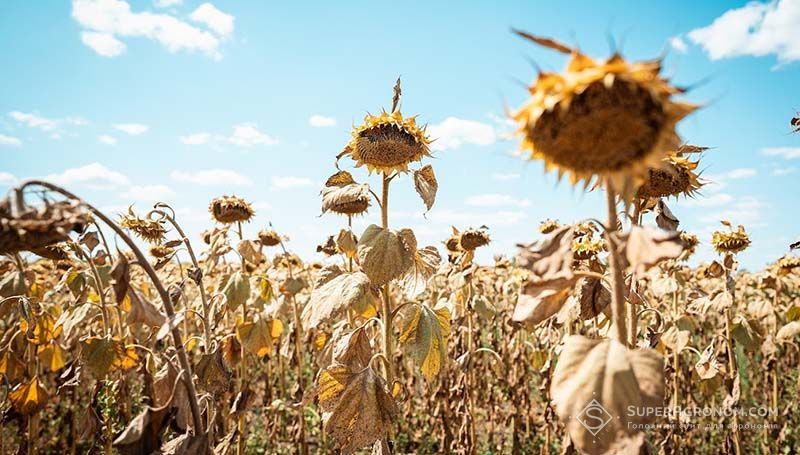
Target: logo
594, 417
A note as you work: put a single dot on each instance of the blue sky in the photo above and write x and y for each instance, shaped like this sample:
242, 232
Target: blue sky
126, 102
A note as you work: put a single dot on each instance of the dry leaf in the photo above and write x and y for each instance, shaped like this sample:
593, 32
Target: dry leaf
383, 255
335, 294
250, 251
121, 276
256, 337
143, 311
346, 243
105, 354
644, 248
236, 290
549, 257
593, 297
426, 263
425, 337
664, 217
788, 331
426, 185
28, 397
212, 373
538, 302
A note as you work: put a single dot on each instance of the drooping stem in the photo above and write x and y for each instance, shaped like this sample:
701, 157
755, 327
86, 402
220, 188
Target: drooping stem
388, 348
98, 286
183, 359
617, 280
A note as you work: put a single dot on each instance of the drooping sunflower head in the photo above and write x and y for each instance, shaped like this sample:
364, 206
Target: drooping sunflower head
611, 120
730, 241
690, 243
36, 228
789, 264
453, 242
472, 239
547, 226
231, 209
585, 247
344, 196
676, 176
160, 251
149, 230
269, 237
388, 142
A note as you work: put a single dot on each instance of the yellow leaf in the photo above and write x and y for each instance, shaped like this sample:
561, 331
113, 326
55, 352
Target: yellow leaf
425, 336
51, 356
105, 354
255, 337
43, 331
265, 289
28, 398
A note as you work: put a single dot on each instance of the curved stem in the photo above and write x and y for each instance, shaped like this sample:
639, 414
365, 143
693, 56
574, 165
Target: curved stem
197, 417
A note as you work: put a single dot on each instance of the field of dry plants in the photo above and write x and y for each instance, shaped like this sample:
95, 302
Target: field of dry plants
119, 334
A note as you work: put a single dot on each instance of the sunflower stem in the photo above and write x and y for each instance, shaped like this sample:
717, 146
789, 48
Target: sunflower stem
388, 348
617, 296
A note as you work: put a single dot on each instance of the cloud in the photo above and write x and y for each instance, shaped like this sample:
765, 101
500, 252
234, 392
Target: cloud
746, 210
716, 182
788, 153
103, 43
505, 177
7, 179
10, 140
211, 177
106, 139
289, 182
756, 29
54, 126
106, 21
741, 173
167, 3
319, 121
94, 176
196, 139
495, 200
677, 43
779, 172
710, 201
248, 135
215, 19
454, 132
134, 129
463, 218
148, 193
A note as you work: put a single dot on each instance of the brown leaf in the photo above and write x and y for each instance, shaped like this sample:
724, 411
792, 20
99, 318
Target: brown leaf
212, 373
143, 311
28, 397
143, 433
593, 297
383, 255
538, 302
614, 376
426, 185
546, 42
121, 274
551, 256
644, 248
664, 217
353, 350
250, 251
337, 293
707, 366
346, 243
426, 263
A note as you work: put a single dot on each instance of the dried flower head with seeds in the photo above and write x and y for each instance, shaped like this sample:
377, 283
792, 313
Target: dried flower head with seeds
612, 120
388, 142
149, 230
160, 251
789, 263
344, 196
547, 226
585, 247
269, 237
472, 239
231, 209
676, 176
690, 242
730, 241
36, 228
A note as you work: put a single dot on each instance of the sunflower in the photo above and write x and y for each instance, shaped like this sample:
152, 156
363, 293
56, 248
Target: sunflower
675, 178
472, 239
231, 209
547, 226
152, 231
788, 263
269, 237
36, 228
730, 241
690, 243
585, 247
160, 251
342, 195
388, 142
611, 120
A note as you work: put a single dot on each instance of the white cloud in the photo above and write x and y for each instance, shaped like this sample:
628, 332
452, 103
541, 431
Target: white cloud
106, 139
779, 172
148, 193
134, 129
319, 121
107, 21
211, 177
454, 132
707, 201
716, 182
53, 126
103, 43
678, 44
10, 140
289, 182
215, 19
248, 135
94, 175
196, 139
787, 152
755, 29
741, 173
746, 210
496, 200
167, 3
463, 218
505, 177
7, 179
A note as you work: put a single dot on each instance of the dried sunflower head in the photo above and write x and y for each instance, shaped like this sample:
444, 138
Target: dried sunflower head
231, 209
612, 120
269, 237
160, 251
677, 176
36, 228
149, 230
342, 195
388, 142
547, 226
453, 242
472, 239
585, 247
789, 263
730, 241
690, 243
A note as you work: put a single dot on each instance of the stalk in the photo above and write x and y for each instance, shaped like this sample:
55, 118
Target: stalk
388, 348
732, 368
617, 280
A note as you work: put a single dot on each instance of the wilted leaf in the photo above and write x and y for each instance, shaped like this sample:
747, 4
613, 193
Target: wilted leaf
357, 408
250, 252
347, 242
538, 302
425, 337
13, 284
51, 356
121, 274
707, 366
616, 377
339, 292
426, 185
143, 311
550, 257
593, 297
43, 331
789, 331
212, 373
256, 337
102, 354
426, 263
353, 350
644, 247
383, 255
143, 433
665, 218
28, 397
236, 290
